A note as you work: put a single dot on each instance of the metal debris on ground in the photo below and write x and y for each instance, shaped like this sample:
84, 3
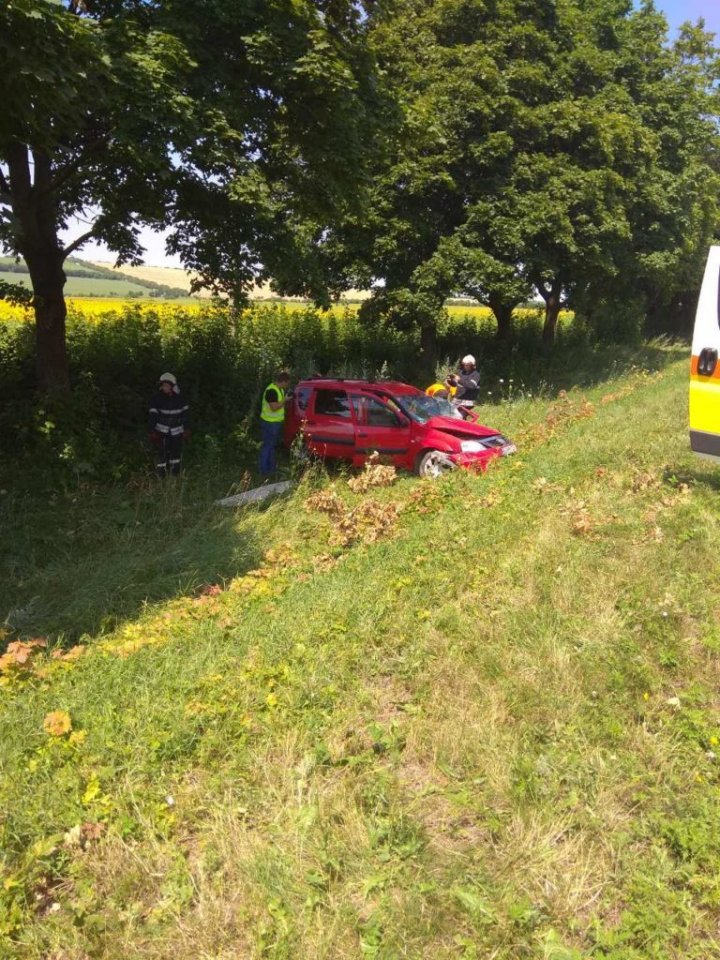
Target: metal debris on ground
256, 495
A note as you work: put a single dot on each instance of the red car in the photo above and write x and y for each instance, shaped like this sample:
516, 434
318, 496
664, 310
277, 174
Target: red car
350, 419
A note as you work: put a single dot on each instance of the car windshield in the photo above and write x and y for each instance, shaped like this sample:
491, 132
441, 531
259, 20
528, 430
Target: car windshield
423, 408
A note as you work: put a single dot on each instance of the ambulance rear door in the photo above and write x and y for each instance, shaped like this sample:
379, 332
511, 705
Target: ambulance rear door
705, 368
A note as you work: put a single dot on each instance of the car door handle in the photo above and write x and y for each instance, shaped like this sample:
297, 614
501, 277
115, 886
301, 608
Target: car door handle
707, 361
361, 434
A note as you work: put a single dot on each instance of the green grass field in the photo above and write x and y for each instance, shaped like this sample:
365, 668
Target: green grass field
468, 719
85, 286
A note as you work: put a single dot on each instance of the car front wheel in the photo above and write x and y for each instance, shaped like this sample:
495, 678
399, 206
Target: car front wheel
434, 463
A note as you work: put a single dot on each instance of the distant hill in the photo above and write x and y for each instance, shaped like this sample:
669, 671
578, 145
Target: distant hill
90, 278
178, 277
174, 277
86, 279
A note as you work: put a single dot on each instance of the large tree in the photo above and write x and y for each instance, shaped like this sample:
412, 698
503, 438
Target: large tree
241, 126
675, 209
535, 152
621, 189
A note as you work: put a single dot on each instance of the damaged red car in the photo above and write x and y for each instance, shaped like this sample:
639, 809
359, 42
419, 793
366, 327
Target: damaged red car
350, 419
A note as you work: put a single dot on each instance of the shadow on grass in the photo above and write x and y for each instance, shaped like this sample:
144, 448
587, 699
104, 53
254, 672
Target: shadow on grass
573, 362
81, 563
705, 474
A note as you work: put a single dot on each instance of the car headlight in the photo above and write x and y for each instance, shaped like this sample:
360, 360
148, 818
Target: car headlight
471, 446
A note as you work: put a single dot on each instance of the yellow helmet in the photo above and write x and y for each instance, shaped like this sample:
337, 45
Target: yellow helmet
435, 389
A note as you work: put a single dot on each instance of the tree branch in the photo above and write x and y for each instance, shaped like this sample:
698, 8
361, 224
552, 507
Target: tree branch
79, 241
72, 167
4, 186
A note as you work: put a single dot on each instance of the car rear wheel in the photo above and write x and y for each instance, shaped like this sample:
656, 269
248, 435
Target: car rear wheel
434, 463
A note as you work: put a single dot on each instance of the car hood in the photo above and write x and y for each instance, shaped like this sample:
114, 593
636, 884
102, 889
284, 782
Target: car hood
460, 428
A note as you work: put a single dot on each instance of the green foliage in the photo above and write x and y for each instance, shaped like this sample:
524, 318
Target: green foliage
568, 149
14, 293
243, 127
223, 360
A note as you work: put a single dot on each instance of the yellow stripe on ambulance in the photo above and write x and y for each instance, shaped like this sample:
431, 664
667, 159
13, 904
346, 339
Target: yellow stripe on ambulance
705, 368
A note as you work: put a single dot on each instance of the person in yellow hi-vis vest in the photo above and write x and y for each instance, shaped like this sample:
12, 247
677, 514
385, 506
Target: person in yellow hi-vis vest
272, 417
705, 368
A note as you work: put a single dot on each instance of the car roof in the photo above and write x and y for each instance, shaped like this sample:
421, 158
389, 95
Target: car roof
338, 383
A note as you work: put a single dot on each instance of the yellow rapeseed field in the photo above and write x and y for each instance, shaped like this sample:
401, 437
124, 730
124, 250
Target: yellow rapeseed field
91, 307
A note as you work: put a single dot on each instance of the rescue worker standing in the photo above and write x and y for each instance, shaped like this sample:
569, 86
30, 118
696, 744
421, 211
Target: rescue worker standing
467, 383
272, 417
168, 423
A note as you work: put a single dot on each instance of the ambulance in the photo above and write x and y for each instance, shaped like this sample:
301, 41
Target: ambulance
705, 369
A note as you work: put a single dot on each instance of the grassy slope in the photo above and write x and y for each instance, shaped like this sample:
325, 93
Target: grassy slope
488, 734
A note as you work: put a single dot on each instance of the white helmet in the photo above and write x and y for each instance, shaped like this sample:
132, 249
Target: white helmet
469, 358
172, 379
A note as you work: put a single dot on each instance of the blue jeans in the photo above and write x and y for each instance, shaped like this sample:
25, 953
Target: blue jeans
270, 436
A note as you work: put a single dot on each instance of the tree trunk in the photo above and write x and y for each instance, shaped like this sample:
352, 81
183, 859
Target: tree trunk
552, 298
552, 312
504, 316
428, 347
35, 208
48, 280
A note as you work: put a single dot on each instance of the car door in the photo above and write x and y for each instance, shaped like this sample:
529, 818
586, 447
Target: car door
382, 428
705, 368
330, 425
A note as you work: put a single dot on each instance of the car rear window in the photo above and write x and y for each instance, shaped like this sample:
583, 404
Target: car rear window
333, 403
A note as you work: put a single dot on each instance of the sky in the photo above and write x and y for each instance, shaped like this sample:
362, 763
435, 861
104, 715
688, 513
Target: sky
676, 11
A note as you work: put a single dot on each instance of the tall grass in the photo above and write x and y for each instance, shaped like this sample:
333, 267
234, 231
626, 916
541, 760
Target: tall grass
490, 731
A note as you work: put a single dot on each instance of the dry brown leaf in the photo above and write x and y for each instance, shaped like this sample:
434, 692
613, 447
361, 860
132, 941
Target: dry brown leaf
92, 831
374, 474
57, 723
583, 525
209, 590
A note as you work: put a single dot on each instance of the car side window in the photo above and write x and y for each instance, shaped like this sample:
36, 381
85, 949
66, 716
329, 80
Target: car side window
378, 414
302, 398
333, 403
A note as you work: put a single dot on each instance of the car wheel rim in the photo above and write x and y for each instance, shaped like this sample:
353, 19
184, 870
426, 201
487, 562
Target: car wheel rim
436, 464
